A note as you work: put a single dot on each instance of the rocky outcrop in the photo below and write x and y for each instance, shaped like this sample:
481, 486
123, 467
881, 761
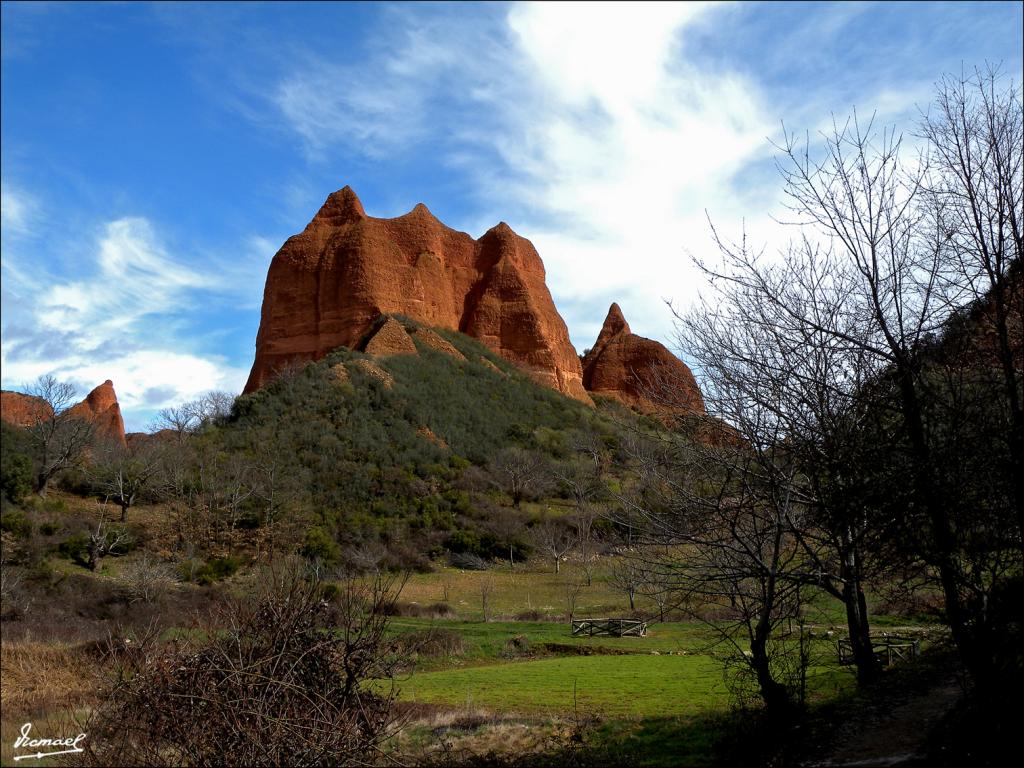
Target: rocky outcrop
99, 407
432, 340
390, 339
328, 285
374, 370
639, 372
102, 409
23, 410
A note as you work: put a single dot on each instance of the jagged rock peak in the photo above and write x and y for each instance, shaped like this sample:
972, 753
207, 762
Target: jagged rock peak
328, 286
341, 206
639, 372
421, 210
614, 324
102, 397
100, 407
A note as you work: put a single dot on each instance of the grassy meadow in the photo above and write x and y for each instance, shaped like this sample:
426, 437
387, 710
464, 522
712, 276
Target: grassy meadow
493, 666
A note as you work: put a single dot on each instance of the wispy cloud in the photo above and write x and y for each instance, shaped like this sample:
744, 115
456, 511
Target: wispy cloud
606, 132
18, 209
116, 320
133, 278
588, 127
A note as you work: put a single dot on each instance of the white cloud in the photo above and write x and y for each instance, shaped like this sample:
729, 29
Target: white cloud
18, 209
145, 380
133, 278
118, 320
600, 130
586, 126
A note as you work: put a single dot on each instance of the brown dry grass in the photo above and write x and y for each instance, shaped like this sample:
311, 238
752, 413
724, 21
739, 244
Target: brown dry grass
436, 735
38, 678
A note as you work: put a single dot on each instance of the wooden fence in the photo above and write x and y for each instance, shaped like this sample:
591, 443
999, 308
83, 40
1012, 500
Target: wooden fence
887, 648
610, 627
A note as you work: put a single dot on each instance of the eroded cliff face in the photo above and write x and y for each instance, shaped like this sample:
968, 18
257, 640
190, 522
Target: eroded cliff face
23, 410
639, 372
102, 409
99, 407
328, 284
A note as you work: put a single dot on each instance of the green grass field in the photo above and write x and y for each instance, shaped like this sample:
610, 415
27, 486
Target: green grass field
530, 587
485, 641
678, 670
609, 686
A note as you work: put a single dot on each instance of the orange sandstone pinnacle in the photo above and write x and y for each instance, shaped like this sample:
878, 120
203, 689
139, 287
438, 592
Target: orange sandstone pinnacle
327, 285
99, 407
639, 372
102, 409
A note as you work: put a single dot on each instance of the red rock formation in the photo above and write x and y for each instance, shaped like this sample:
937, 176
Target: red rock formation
432, 340
327, 285
102, 409
23, 410
638, 371
390, 339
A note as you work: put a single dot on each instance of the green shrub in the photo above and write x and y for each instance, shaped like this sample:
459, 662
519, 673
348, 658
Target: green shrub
464, 541
75, 547
320, 546
216, 569
15, 463
189, 568
16, 477
15, 521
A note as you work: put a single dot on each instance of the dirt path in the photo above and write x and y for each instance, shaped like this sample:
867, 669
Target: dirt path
894, 733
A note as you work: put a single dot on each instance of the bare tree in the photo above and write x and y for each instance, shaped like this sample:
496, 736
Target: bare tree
586, 540
555, 539
725, 541
486, 590
571, 589
187, 418
123, 472
147, 578
213, 407
975, 195
519, 472
509, 531
626, 576
879, 229
59, 435
785, 367
860, 368
182, 420
105, 541
581, 478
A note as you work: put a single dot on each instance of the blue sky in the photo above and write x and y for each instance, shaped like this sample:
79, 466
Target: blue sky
154, 157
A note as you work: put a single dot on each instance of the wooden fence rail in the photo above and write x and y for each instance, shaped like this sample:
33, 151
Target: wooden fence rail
888, 649
610, 627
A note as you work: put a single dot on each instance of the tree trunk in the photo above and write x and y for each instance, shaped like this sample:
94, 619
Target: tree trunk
857, 618
943, 539
773, 693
